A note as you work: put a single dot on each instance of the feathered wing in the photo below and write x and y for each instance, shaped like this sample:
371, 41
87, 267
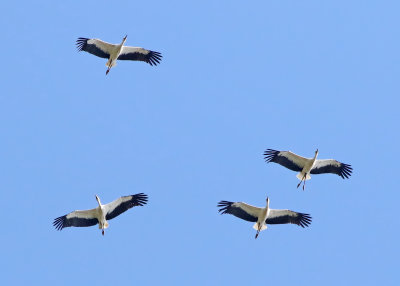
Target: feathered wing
77, 219
332, 166
287, 216
140, 54
122, 204
240, 210
95, 47
287, 159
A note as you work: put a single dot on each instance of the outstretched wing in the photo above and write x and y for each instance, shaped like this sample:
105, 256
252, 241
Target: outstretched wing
332, 166
140, 54
285, 158
123, 204
95, 47
287, 216
240, 210
77, 219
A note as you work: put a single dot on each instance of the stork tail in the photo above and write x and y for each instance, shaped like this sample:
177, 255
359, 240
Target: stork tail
300, 176
255, 226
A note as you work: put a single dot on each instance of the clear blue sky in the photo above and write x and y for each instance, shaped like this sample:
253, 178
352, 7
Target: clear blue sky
236, 78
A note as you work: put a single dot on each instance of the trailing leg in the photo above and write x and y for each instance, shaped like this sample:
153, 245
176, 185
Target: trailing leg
302, 179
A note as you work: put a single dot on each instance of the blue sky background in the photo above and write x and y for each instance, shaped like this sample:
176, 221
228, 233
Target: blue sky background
236, 78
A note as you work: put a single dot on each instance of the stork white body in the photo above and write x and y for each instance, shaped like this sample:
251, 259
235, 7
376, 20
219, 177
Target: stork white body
304, 175
101, 214
263, 216
307, 166
114, 52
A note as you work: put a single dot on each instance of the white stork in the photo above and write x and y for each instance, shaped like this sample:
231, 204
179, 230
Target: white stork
114, 52
307, 166
263, 216
101, 214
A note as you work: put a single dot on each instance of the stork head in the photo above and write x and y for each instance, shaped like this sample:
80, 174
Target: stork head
267, 201
124, 39
316, 153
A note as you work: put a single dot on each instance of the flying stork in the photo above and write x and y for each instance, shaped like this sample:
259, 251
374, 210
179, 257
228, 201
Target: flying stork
101, 214
114, 52
263, 216
307, 166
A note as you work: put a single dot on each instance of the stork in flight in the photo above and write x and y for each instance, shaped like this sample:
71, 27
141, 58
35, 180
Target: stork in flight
101, 214
307, 166
114, 52
263, 216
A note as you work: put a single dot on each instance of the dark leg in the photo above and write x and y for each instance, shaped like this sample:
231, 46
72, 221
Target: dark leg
258, 231
301, 181
109, 67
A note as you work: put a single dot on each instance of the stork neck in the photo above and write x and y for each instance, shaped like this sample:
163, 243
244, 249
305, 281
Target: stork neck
264, 212
98, 201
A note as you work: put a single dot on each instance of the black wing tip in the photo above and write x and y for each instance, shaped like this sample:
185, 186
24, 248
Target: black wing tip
141, 199
80, 43
270, 154
154, 58
58, 223
224, 205
305, 220
346, 171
